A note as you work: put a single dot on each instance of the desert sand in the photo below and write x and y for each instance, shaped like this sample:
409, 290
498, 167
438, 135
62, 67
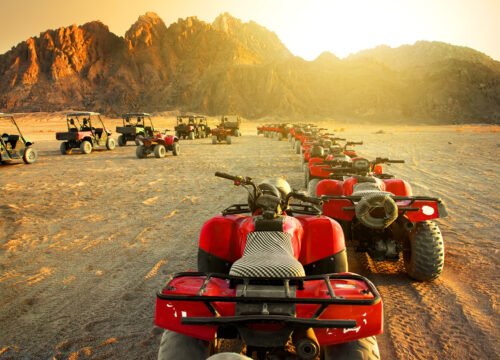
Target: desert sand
86, 240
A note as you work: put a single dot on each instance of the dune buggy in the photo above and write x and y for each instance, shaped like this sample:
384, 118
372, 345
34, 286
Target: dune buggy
186, 127
13, 145
232, 123
134, 125
83, 135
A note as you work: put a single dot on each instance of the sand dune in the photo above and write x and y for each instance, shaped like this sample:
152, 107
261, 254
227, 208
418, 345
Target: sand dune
85, 241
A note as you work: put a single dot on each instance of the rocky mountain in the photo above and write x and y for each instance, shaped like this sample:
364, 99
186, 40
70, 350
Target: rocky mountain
234, 67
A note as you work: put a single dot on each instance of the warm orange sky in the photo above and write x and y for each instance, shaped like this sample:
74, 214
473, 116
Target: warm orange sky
307, 28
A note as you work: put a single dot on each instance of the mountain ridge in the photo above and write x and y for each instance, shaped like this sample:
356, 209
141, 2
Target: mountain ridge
229, 66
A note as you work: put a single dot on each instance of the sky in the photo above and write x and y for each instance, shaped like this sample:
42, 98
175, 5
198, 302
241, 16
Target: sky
306, 27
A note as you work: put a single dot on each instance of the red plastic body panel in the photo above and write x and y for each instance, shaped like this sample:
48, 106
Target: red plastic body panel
428, 210
369, 318
313, 237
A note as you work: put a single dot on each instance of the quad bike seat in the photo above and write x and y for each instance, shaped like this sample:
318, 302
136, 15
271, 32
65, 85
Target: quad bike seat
268, 254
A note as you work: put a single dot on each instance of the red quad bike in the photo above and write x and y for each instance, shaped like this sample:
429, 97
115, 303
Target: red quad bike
159, 144
83, 135
383, 218
272, 282
280, 131
325, 141
322, 160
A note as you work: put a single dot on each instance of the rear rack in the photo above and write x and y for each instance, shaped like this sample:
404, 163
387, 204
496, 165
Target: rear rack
394, 197
287, 282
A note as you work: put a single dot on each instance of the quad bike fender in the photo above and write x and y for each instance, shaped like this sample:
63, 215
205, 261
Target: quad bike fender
170, 139
225, 236
219, 236
398, 187
323, 237
319, 170
427, 210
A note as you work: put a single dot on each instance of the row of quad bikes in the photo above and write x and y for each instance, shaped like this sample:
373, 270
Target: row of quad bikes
273, 279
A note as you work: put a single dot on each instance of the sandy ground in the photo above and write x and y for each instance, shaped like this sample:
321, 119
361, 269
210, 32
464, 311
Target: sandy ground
85, 241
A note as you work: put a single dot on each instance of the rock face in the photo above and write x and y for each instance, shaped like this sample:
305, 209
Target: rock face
234, 67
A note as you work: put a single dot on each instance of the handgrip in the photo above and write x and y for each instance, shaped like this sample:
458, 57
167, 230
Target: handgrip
225, 176
396, 161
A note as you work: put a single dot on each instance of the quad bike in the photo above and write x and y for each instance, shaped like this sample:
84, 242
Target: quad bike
383, 218
322, 159
83, 135
186, 130
13, 145
158, 145
221, 133
134, 125
272, 277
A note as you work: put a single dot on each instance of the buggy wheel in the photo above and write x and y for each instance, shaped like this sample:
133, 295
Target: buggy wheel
312, 186
176, 149
140, 152
122, 141
362, 349
280, 136
228, 139
289, 136
86, 147
160, 151
214, 140
65, 149
237, 133
306, 177
174, 346
424, 252
30, 155
110, 143
191, 136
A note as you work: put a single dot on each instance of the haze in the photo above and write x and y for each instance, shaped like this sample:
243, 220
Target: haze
306, 28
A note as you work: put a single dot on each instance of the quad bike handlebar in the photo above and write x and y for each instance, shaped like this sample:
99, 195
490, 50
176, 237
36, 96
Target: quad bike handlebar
245, 180
349, 143
380, 160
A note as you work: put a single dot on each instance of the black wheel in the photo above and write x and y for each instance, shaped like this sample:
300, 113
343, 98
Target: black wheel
30, 155
160, 151
214, 140
175, 346
424, 252
312, 186
65, 149
237, 133
362, 349
191, 136
110, 144
140, 152
228, 139
86, 147
298, 147
176, 149
122, 141
306, 177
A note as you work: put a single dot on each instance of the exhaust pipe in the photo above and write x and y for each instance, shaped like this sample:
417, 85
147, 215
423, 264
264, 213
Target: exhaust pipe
306, 344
